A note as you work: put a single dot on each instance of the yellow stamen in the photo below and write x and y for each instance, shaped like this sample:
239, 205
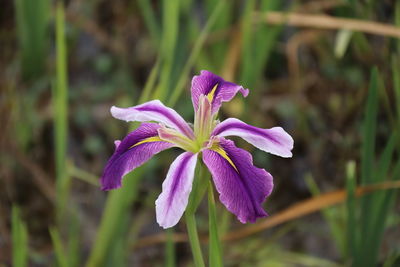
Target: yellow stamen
223, 154
147, 140
210, 95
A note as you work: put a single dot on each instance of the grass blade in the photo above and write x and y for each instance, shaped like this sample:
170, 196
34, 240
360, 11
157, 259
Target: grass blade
60, 102
396, 81
369, 130
117, 204
351, 232
150, 20
58, 247
169, 38
32, 22
194, 54
19, 239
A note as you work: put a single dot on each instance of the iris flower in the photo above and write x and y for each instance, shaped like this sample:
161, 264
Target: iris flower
242, 187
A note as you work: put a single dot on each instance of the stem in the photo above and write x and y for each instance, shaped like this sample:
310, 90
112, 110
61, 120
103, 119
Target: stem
170, 248
214, 243
194, 239
198, 190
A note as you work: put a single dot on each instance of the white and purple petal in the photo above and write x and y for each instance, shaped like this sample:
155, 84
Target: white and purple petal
275, 140
134, 150
242, 187
154, 111
176, 189
215, 88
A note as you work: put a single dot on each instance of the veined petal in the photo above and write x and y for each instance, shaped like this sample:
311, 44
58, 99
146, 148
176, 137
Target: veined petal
215, 88
154, 111
134, 150
176, 188
274, 140
242, 187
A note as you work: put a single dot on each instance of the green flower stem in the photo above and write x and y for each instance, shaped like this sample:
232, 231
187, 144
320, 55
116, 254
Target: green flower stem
194, 239
215, 255
200, 184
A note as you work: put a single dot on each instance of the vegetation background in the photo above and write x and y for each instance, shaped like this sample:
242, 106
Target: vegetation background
327, 71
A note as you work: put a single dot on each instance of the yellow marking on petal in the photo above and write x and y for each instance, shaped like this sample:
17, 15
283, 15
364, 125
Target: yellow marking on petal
223, 154
147, 140
210, 95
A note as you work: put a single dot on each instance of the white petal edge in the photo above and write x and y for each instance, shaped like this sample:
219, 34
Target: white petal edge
176, 188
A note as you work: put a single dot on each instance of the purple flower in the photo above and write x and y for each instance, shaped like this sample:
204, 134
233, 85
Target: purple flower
242, 187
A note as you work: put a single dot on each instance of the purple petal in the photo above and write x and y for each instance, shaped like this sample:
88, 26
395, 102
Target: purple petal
204, 84
243, 188
274, 140
134, 150
176, 188
154, 111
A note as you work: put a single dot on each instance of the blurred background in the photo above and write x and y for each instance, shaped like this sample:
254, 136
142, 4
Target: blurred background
327, 71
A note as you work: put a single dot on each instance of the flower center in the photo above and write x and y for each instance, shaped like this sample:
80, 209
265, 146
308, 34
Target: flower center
203, 121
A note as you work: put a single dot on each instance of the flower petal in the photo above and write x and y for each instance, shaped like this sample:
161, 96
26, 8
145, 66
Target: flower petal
274, 140
242, 187
215, 88
153, 111
134, 150
176, 188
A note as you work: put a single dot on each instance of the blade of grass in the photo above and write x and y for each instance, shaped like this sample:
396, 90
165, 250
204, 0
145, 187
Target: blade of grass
261, 43
351, 232
382, 215
58, 247
369, 130
151, 81
215, 254
170, 22
219, 49
150, 20
32, 21
116, 208
397, 22
194, 54
60, 102
396, 81
247, 42
19, 239
73, 242
378, 206
367, 160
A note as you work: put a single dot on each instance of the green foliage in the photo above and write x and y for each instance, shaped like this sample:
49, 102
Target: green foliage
364, 242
